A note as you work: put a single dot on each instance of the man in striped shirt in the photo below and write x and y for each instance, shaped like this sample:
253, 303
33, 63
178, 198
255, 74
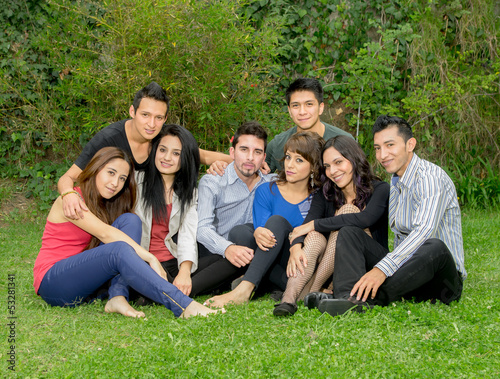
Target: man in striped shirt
427, 261
226, 201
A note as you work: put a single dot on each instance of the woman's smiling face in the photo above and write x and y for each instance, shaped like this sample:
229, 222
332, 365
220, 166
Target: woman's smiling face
168, 155
337, 168
111, 179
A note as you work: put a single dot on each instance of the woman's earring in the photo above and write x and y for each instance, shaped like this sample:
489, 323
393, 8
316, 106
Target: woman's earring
312, 180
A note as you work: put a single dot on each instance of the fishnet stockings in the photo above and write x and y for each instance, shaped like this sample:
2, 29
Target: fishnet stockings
321, 261
314, 247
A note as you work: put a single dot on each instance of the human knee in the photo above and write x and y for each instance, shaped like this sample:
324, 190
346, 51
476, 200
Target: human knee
315, 237
241, 235
130, 218
278, 222
348, 208
437, 248
120, 249
130, 224
237, 231
436, 244
348, 238
350, 231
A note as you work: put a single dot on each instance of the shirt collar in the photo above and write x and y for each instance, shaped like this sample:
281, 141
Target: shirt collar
409, 174
232, 176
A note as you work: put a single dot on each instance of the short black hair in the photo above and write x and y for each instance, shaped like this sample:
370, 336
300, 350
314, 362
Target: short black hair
152, 91
385, 121
252, 128
305, 84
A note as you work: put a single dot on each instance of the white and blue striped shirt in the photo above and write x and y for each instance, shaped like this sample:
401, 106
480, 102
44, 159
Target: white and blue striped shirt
423, 204
224, 202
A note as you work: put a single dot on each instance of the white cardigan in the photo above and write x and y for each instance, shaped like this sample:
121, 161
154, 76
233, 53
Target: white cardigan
186, 248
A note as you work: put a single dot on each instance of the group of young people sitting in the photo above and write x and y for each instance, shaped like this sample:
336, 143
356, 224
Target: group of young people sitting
303, 217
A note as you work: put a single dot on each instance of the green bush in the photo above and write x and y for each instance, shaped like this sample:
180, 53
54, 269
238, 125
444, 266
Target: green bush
70, 67
435, 63
91, 57
213, 64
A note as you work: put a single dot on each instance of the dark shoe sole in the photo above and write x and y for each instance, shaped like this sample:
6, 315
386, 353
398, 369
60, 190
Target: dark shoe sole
336, 307
284, 309
312, 300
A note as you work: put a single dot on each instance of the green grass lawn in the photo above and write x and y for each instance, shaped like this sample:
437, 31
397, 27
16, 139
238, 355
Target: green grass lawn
402, 340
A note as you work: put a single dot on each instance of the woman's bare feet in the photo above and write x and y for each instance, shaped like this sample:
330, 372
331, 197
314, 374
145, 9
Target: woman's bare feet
119, 304
241, 294
196, 309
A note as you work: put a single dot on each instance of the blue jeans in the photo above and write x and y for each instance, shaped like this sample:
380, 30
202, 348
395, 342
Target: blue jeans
73, 279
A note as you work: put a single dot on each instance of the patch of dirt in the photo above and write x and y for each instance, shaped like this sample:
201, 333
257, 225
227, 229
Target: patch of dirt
13, 202
335, 113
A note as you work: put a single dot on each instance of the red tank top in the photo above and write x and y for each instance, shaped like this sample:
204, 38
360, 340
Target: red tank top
59, 241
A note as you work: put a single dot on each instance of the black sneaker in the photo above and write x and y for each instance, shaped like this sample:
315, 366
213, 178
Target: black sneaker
336, 307
312, 299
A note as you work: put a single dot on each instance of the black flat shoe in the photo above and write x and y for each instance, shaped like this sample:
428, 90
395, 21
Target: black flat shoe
276, 295
285, 309
312, 299
336, 307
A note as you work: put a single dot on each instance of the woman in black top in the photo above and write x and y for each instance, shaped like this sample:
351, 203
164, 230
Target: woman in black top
350, 196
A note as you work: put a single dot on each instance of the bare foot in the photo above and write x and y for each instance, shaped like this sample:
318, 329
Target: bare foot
327, 290
119, 304
241, 294
196, 309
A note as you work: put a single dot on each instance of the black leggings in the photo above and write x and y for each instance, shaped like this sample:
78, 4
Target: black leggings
220, 271
271, 263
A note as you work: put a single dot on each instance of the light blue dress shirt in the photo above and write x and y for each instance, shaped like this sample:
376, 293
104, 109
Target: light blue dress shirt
224, 202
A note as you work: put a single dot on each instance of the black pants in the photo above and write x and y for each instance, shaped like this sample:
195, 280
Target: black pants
271, 264
216, 275
430, 274
198, 284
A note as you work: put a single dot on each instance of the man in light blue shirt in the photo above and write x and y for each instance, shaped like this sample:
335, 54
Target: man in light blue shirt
427, 261
226, 201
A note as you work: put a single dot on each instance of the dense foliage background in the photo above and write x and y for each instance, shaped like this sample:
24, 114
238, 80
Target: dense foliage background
70, 67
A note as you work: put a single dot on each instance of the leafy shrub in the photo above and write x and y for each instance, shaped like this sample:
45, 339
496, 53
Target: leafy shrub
434, 63
70, 67
207, 57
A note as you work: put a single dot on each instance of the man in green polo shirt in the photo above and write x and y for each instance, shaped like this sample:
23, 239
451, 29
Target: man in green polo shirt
305, 104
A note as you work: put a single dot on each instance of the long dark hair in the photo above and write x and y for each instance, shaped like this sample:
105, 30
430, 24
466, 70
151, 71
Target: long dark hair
362, 174
184, 180
308, 145
107, 210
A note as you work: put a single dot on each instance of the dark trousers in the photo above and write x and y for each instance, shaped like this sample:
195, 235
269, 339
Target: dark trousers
430, 274
272, 263
214, 272
203, 278
269, 264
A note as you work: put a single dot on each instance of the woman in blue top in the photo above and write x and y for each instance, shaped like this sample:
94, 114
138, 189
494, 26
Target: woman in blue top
277, 209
